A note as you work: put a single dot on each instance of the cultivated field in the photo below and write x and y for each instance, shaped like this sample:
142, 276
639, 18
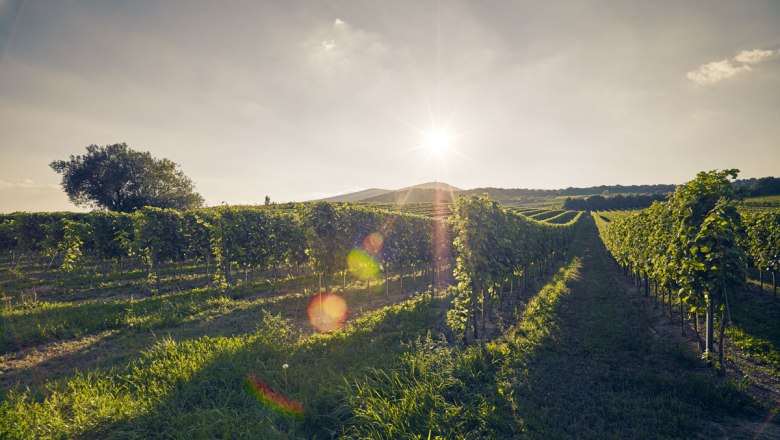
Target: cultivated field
539, 333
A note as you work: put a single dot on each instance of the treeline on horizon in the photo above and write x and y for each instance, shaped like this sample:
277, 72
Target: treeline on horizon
765, 186
620, 201
753, 187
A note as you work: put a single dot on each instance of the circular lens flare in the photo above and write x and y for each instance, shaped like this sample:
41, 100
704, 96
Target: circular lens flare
361, 264
327, 312
373, 243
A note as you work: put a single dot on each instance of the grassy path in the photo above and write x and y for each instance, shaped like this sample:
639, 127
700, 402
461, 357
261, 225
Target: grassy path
608, 372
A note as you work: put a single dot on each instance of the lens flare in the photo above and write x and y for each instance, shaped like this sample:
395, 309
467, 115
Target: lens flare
373, 243
272, 399
361, 264
327, 312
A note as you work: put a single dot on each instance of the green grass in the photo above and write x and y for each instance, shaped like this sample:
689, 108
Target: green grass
445, 392
755, 329
33, 323
195, 388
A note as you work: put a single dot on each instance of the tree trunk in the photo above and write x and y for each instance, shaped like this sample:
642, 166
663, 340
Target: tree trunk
761, 279
155, 267
696, 330
475, 321
708, 337
511, 289
468, 321
482, 310
655, 295
682, 318
720, 343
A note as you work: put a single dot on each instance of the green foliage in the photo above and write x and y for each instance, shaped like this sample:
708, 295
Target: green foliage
689, 243
71, 245
493, 245
762, 239
158, 237
118, 178
452, 392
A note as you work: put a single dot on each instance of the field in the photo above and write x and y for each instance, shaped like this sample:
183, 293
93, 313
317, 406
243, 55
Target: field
568, 348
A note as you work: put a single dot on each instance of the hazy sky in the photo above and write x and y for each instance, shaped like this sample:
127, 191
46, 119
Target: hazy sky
303, 99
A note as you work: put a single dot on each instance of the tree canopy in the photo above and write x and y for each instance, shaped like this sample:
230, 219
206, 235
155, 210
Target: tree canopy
118, 178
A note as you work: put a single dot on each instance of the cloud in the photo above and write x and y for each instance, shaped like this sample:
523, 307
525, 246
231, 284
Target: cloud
344, 47
23, 184
754, 56
717, 71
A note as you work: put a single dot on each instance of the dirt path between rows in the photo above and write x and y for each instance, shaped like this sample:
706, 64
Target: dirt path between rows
616, 369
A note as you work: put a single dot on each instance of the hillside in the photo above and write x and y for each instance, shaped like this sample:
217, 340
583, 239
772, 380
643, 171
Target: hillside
439, 192
443, 192
357, 196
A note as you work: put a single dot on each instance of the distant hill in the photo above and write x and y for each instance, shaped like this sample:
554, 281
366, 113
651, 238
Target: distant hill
357, 196
424, 192
433, 185
444, 193
416, 195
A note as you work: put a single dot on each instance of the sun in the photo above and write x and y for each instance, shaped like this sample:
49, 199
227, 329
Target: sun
437, 141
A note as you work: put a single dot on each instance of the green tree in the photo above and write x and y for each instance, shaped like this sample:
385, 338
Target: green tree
117, 178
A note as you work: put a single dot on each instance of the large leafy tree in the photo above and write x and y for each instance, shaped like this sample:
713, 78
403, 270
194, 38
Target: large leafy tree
120, 179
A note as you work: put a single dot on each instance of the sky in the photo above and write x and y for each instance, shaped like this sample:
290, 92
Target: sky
301, 100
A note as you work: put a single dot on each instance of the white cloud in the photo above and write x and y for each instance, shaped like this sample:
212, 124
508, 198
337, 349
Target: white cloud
753, 56
23, 184
344, 47
717, 71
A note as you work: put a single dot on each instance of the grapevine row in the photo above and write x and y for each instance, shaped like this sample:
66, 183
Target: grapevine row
318, 235
494, 246
687, 247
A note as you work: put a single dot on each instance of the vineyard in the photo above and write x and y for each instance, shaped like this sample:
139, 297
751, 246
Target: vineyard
369, 320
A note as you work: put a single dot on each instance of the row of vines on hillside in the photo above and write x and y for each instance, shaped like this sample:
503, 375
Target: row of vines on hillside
495, 245
762, 243
320, 236
688, 248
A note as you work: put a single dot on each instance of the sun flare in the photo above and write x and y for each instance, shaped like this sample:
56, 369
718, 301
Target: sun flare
437, 141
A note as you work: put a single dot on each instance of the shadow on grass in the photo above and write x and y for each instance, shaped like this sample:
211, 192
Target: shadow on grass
214, 402
757, 314
37, 323
604, 374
